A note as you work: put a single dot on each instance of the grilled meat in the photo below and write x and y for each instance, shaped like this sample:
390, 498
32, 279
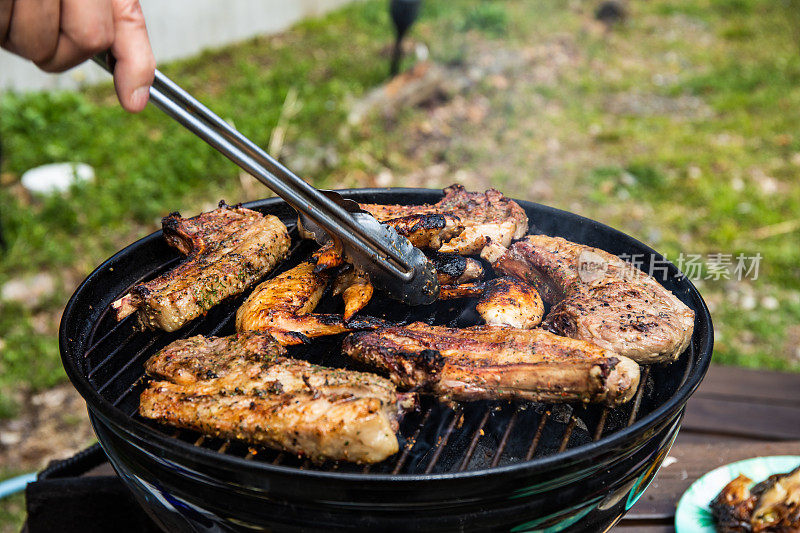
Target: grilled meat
455, 274
733, 506
485, 217
243, 387
427, 231
227, 250
599, 298
496, 363
510, 302
455, 269
356, 290
771, 506
283, 307
778, 504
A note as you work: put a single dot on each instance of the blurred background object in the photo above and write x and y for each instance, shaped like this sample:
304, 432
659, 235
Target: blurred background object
404, 13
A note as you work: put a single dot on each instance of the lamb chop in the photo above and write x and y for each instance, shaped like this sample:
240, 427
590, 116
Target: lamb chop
613, 304
244, 387
227, 250
486, 362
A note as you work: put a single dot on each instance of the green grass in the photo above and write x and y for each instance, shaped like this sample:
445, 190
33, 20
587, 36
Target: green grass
665, 176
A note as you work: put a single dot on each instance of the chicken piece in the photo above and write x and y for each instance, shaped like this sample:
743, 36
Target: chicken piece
496, 363
356, 291
283, 305
455, 269
327, 257
243, 387
427, 231
486, 217
778, 503
465, 290
733, 506
227, 250
454, 272
510, 302
599, 298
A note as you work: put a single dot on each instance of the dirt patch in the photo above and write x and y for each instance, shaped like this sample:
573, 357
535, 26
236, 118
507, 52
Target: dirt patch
52, 425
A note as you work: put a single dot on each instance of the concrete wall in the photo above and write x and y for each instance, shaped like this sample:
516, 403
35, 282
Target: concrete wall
178, 28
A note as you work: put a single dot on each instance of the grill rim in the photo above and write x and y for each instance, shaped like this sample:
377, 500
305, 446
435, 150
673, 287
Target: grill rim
583, 453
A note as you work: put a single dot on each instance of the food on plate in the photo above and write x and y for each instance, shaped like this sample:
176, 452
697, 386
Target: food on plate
772, 506
283, 306
496, 363
510, 302
244, 387
485, 217
598, 297
228, 249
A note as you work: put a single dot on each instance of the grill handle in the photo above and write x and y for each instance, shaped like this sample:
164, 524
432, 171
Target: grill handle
393, 264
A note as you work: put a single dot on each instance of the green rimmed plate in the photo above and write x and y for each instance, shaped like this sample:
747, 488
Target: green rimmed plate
694, 515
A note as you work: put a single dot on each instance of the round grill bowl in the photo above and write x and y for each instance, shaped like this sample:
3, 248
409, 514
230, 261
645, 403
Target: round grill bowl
588, 465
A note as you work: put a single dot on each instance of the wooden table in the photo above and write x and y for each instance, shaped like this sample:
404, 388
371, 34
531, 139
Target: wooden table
735, 414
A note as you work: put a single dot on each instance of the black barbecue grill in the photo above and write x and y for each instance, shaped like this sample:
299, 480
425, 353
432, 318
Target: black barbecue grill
476, 465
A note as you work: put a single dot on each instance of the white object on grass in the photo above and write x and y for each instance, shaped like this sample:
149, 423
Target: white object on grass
56, 177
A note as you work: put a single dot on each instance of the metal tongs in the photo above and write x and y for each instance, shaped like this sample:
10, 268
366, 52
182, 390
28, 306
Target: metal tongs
392, 263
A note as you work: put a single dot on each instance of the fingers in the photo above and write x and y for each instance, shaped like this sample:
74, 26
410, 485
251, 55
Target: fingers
6, 9
59, 34
34, 29
135, 68
87, 27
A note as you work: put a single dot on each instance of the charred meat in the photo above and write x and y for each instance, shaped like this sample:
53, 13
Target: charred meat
455, 269
772, 506
227, 250
778, 503
484, 217
733, 507
496, 363
598, 297
244, 387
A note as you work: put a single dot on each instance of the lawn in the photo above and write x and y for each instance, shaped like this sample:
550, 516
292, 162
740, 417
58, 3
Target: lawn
678, 127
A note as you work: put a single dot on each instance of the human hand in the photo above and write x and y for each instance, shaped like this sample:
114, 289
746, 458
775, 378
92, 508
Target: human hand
59, 34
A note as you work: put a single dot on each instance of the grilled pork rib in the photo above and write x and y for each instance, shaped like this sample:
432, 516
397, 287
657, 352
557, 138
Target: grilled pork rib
243, 387
611, 303
496, 363
227, 250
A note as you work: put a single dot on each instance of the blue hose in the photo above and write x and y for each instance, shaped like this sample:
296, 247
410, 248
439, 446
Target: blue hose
15, 484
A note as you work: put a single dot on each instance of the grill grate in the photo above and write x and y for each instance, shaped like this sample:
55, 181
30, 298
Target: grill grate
436, 439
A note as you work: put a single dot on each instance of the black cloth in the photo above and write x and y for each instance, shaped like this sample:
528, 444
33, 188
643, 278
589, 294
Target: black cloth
66, 500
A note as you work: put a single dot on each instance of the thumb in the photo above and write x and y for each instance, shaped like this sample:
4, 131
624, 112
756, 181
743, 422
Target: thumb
135, 67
